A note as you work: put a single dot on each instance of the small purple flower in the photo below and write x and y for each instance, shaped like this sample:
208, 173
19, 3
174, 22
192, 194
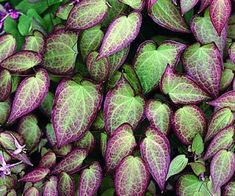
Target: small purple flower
19, 148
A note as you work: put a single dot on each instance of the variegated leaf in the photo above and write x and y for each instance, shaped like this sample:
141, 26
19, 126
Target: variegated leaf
66, 184
134, 4
5, 84
50, 187
36, 175
7, 46
187, 5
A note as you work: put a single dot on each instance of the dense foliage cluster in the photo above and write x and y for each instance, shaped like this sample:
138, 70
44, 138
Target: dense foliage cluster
117, 97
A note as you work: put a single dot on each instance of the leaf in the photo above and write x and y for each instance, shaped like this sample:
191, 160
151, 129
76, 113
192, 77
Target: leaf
173, 21
48, 160
64, 10
159, 115
220, 119
103, 143
5, 108
35, 175
29, 94
85, 97
134, 4
87, 14
222, 168
204, 65
155, 150
28, 128
226, 79
90, 179
7, 46
131, 177
50, 187
98, 69
71, 163
50, 133
35, 42
98, 123
5, 84
122, 105
220, 11
177, 165
204, 5
121, 32
189, 121
21, 61
229, 189
225, 100
198, 167
86, 142
197, 145
25, 24
232, 52
47, 104
120, 145
204, 31
61, 51
223, 140
90, 40
66, 184
177, 87
150, 4
187, 5
151, 62
32, 191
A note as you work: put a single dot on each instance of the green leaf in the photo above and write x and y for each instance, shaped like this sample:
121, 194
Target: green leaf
4, 111
198, 167
25, 24
135, 4
226, 79
198, 145
7, 46
64, 10
39, 6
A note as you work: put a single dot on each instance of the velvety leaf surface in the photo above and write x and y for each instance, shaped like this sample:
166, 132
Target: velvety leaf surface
50, 187
90, 179
87, 14
151, 62
66, 184
7, 46
32, 191
187, 5
135, 4
204, 65
5, 84
29, 94
131, 177
177, 87
80, 102
122, 106
71, 163
159, 115
229, 189
120, 34
220, 119
155, 150
120, 145
223, 140
222, 168
187, 122
36, 175
173, 21
5, 108
220, 11
48, 160
21, 61
61, 51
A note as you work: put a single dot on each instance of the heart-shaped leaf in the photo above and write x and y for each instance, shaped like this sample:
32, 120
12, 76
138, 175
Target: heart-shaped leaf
61, 51
50, 187
120, 145
187, 5
155, 150
7, 46
98, 69
86, 100
131, 177
5, 108
197, 145
229, 189
173, 21
29, 94
204, 5
134, 4
222, 168
220, 119
198, 167
66, 184
48, 160
177, 87
36, 175
90, 179
5, 84
21, 61
159, 115
86, 142
120, 34
204, 65
32, 191
220, 11
71, 163
87, 14
225, 100
223, 140
151, 62
205, 32
188, 121
122, 105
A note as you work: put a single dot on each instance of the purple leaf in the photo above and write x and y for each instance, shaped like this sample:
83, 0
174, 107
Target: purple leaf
36, 175
29, 94
229, 189
86, 100
90, 179
7, 46
155, 150
222, 168
21, 157
48, 160
120, 145
120, 34
187, 5
5, 84
32, 191
66, 185
50, 187
220, 11
131, 177
150, 4
71, 163
188, 121
204, 5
